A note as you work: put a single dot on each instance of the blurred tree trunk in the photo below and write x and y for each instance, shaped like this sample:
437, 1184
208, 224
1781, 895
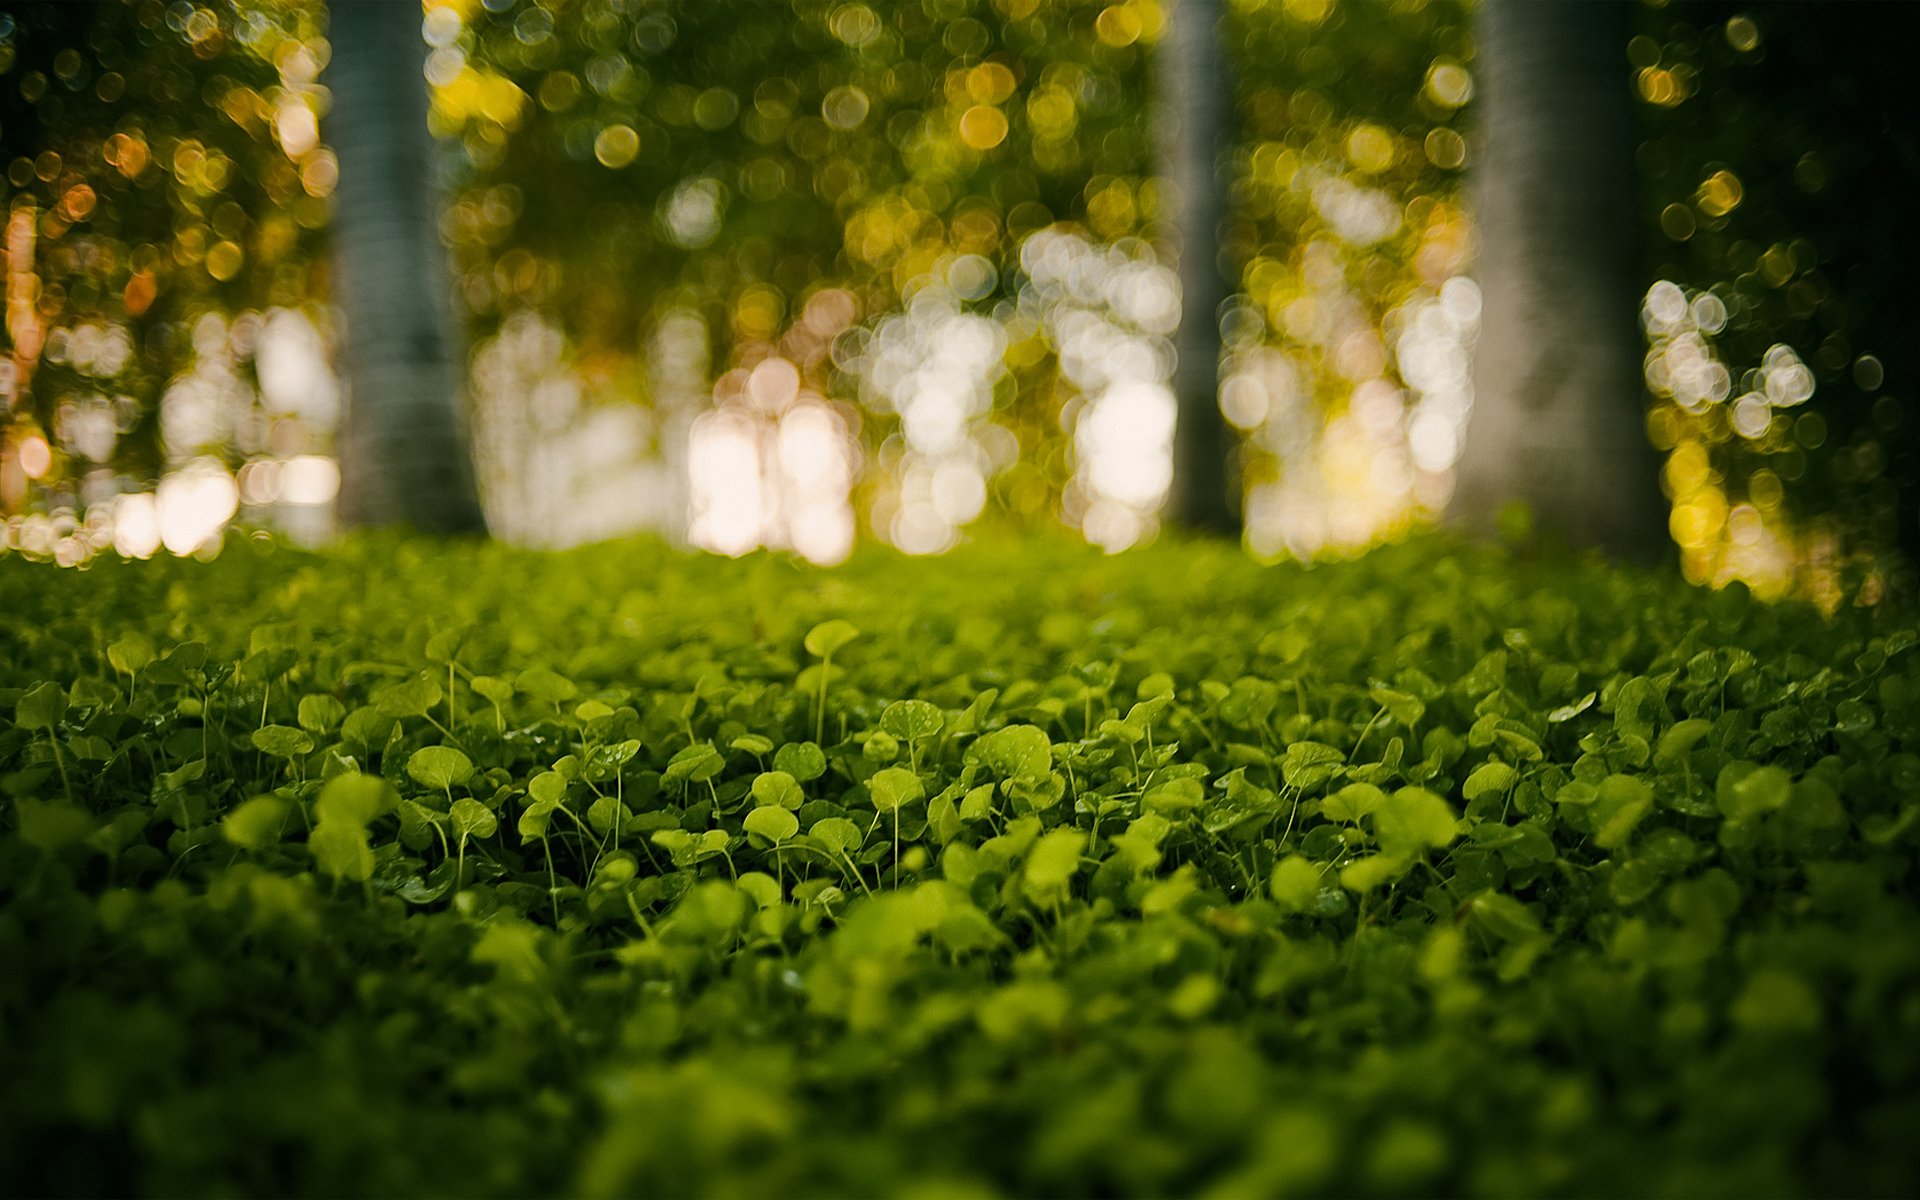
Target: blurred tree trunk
1196, 102
404, 455
1559, 408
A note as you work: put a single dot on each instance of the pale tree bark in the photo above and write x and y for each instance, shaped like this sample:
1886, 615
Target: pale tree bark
404, 453
1559, 406
1195, 108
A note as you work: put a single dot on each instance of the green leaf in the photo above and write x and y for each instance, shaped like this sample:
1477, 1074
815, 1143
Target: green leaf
444, 646
772, 822
764, 888
1678, 742
409, 698
1352, 802
977, 803
282, 741
1175, 797
257, 823
1015, 752
893, 788
1296, 881
1414, 820
472, 819
548, 787
53, 825
912, 720
828, 636
1745, 791
544, 686
41, 707
801, 760
499, 691
341, 850
1504, 917
696, 763
1402, 707
1568, 712
355, 799
837, 834
130, 654
1310, 764
1622, 803
318, 714
1489, 779
1366, 874
607, 815
1053, 861
778, 788
535, 820
439, 767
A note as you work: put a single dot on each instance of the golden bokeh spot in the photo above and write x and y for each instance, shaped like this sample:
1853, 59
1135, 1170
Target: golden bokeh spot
320, 173
1687, 469
1665, 86
854, 24
759, 311
1448, 83
616, 146
1700, 520
983, 127
1052, 112
224, 260
188, 157
1111, 210
1308, 12
1742, 34
1446, 149
140, 293
77, 202
1118, 25
1776, 265
1370, 148
990, 83
190, 245
1719, 194
501, 100
126, 153
1663, 428
845, 107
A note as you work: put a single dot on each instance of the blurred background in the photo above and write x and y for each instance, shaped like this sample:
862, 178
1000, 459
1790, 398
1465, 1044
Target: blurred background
806, 273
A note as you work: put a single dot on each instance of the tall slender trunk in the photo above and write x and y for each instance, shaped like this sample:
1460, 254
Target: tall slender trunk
404, 455
1196, 101
1559, 407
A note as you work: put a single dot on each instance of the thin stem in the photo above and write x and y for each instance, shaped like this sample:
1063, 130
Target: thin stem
820, 708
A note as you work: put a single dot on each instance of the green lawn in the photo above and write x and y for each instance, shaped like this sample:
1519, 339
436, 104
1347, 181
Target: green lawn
417, 869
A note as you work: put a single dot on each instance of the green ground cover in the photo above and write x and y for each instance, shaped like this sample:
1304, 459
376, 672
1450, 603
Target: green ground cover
460, 870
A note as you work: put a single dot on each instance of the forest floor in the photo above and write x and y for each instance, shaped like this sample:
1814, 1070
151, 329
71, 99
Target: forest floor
413, 868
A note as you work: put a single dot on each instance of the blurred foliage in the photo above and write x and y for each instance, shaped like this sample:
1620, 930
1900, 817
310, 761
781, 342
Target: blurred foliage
144, 186
794, 173
423, 868
1782, 154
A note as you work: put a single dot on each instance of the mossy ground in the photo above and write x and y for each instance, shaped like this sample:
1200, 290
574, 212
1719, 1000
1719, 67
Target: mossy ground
411, 868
